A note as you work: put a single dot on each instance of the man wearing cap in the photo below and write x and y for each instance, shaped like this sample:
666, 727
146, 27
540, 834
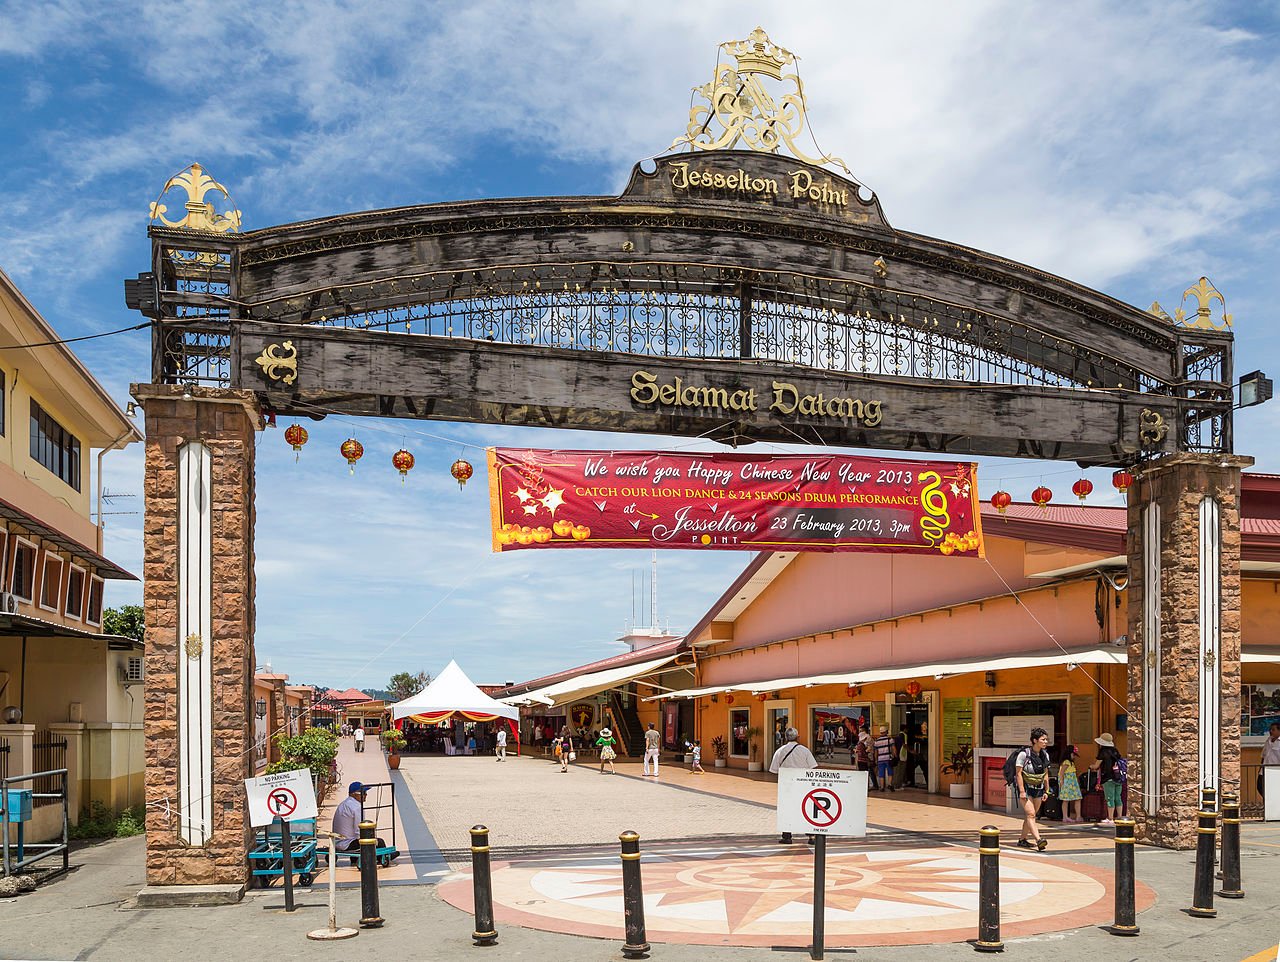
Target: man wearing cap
792, 755
346, 820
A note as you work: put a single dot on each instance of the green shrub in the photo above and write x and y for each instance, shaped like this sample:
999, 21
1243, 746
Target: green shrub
315, 748
102, 822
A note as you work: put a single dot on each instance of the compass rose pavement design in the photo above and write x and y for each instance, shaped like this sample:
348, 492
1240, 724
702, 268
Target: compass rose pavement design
755, 894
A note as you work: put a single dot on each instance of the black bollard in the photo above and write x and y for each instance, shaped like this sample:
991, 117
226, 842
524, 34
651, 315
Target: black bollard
369, 917
1231, 847
989, 891
636, 947
482, 887
1206, 832
286, 852
1126, 910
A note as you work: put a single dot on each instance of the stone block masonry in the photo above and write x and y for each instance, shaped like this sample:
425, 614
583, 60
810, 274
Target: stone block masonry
226, 422
1192, 736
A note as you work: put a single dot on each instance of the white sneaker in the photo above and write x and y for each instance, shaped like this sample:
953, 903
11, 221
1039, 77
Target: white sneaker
1106, 822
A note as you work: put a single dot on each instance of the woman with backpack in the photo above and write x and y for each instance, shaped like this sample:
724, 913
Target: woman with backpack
1031, 779
1112, 769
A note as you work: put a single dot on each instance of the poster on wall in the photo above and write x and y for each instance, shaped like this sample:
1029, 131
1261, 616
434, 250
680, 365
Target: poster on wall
649, 499
1259, 708
670, 724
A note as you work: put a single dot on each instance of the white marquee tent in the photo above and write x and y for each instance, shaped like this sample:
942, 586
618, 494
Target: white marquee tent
451, 693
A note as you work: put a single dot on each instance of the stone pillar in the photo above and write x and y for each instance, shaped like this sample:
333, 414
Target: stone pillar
73, 732
199, 606
1184, 640
279, 717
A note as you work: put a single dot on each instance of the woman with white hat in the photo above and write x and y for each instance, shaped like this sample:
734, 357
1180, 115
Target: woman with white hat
1110, 768
605, 743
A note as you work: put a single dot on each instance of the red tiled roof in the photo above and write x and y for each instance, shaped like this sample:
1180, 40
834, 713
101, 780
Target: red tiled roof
617, 661
351, 695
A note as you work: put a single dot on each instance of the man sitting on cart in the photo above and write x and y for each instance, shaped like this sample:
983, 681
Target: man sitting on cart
346, 821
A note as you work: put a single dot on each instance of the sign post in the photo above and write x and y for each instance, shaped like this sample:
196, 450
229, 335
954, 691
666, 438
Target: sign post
821, 802
286, 796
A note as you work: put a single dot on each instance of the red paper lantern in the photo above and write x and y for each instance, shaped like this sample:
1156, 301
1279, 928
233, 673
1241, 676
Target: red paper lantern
461, 471
1123, 480
402, 461
353, 451
762, 696
1042, 496
852, 691
296, 435
913, 688
1001, 500
1082, 488
728, 699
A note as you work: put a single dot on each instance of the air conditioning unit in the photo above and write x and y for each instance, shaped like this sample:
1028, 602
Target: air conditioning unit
131, 671
8, 603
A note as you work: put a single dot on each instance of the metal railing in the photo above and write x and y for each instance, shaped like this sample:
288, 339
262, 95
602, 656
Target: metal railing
48, 754
4, 760
11, 863
1251, 805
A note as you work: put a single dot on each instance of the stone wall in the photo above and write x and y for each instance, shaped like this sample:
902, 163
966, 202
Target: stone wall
226, 421
1178, 485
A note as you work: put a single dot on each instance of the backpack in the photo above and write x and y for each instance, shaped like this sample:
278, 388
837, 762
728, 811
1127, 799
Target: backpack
1121, 768
1011, 767
1011, 764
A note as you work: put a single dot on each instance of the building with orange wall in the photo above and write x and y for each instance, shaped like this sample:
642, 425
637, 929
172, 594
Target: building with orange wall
958, 650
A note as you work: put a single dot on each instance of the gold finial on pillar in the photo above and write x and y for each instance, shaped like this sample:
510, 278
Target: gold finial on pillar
1205, 294
200, 214
748, 115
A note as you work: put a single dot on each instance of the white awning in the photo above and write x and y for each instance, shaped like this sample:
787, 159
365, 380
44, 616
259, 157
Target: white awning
1098, 655
581, 686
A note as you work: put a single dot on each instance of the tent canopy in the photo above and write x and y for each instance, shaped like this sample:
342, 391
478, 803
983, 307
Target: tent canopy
451, 692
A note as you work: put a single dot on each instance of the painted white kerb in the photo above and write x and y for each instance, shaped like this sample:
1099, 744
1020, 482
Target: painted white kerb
195, 673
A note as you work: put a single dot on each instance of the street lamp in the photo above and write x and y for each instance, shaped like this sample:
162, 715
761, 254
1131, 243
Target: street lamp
260, 708
1255, 388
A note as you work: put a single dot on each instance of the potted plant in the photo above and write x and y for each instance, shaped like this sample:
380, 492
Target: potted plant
721, 749
752, 734
961, 769
393, 741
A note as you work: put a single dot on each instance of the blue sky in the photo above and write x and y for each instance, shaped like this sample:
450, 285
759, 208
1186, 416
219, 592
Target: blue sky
1130, 147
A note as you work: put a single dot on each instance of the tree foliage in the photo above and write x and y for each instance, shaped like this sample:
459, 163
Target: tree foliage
403, 684
125, 621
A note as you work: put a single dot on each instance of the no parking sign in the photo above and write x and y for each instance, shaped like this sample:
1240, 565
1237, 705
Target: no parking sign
288, 796
822, 801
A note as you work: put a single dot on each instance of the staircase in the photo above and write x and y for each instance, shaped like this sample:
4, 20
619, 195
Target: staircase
630, 734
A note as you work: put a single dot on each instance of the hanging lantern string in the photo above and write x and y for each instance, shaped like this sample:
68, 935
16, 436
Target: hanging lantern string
369, 424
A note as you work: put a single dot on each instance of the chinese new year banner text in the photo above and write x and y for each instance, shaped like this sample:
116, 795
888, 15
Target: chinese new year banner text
649, 499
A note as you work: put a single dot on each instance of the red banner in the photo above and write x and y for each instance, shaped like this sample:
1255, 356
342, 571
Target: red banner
649, 499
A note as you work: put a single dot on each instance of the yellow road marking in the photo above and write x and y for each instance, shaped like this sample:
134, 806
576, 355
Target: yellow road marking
1266, 955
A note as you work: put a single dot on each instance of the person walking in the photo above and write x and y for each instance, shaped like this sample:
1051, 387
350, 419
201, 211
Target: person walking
501, 741
900, 758
1270, 758
1110, 766
566, 752
884, 759
919, 756
605, 743
652, 748
863, 755
1069, 785
1032, 782
792, 754
695, 758
359, 734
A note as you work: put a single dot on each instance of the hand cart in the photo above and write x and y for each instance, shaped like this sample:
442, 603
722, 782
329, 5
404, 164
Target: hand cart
381, 810
267, 862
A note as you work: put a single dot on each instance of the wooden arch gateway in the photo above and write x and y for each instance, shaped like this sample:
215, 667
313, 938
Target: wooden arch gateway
715, 276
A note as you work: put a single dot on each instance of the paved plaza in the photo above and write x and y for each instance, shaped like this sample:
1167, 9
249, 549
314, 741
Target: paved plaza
717, 884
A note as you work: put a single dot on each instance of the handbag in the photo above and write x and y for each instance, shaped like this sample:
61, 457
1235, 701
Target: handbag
573, 756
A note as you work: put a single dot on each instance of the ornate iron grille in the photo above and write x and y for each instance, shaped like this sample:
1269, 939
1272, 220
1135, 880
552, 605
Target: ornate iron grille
691, 311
